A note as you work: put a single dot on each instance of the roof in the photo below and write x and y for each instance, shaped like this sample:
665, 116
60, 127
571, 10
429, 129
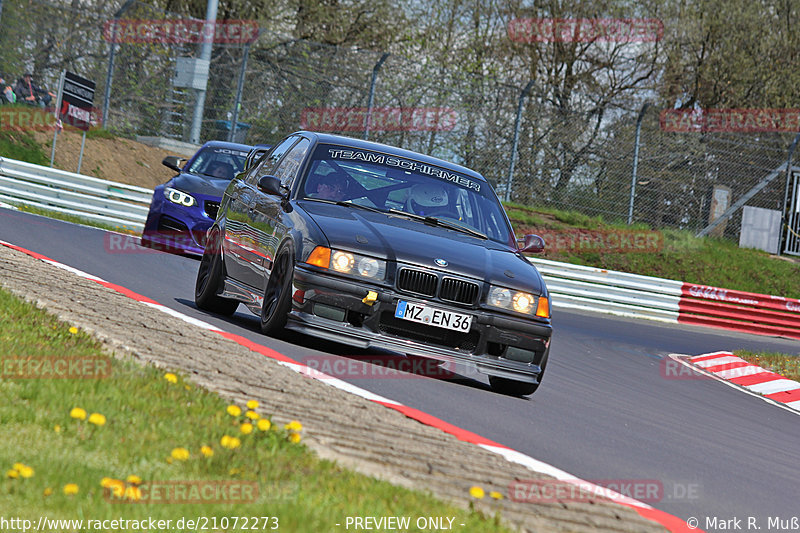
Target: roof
379, 147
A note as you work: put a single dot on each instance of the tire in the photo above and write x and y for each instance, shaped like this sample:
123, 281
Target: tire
210, 277
516, 388
277, 296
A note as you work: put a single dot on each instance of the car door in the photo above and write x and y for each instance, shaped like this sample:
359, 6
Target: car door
243, 261
269, 216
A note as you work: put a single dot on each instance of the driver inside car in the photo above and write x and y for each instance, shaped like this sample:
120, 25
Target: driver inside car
429, 199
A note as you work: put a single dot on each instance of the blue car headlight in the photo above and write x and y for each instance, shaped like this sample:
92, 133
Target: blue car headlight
179, 197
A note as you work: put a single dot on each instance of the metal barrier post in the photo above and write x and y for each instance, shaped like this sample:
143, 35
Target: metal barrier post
517, 122
635, 161
371, 98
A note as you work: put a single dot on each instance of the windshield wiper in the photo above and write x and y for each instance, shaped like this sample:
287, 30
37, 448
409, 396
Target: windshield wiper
439, 222
344, 203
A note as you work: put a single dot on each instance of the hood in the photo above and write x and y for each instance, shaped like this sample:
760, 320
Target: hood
194, 184
400, 239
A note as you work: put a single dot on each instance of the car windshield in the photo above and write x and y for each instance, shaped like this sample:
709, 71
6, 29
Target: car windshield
220, 163
399, 185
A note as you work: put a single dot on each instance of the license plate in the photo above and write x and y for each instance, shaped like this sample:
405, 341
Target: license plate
433, 316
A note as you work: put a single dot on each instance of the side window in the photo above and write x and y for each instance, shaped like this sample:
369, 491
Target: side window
266, 164
289, 166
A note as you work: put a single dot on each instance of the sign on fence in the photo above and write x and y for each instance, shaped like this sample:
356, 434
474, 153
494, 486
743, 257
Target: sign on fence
77, 97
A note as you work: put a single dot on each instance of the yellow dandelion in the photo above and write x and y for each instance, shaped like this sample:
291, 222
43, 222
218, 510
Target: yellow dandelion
118, 489
26, 471
107, 482
78, 413
57, 428
496, 495
97, 419
73, 330
234, 410
252, 415
70, 488
180, 454
172, 378
476, 492
234, 471
133, 493
252, 404
246, 428
294, 425
187, 387
264, 424
17, 466
294, 437
207, 451
13, 474
47, 492
169, 460
134, 479
230, 442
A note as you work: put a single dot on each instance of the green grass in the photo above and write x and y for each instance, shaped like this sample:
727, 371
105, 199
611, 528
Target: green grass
21, 146
72, 218
785, 365
706, 261
147, 417
99, 133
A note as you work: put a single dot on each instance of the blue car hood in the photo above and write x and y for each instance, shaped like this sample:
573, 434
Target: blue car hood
194, 184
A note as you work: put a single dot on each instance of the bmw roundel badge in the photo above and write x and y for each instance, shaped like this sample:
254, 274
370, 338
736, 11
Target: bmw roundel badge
440, 262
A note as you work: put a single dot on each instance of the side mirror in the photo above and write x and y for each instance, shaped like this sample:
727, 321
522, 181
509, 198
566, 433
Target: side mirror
269, 185
533, 244
173, 162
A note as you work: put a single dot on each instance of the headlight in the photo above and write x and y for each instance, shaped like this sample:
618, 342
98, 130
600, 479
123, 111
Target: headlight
348, 263
518, 301
179, 197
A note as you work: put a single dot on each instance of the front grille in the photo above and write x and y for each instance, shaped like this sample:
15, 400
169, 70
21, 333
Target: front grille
417, 281
392, 325
211, 208
457, 290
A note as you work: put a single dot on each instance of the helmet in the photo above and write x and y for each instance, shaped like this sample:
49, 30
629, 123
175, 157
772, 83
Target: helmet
429, 195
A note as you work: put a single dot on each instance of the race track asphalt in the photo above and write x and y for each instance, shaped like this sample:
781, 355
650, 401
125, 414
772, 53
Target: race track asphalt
609, 408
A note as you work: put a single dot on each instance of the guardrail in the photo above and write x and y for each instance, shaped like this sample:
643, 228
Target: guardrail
116, 204
632, 295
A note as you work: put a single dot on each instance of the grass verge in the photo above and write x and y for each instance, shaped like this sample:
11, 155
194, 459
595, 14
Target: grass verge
159, 442
73, 218
17, 144
786, 365
678, 254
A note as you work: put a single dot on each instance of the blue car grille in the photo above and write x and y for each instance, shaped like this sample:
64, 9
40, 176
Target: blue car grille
458, 290
417, 281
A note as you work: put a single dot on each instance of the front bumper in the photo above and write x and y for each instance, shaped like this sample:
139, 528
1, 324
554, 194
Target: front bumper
330, 307
175, 228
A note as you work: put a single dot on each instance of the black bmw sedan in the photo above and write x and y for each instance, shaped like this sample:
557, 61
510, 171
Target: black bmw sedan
375, 246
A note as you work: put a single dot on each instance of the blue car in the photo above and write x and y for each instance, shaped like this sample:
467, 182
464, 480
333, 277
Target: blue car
183, 208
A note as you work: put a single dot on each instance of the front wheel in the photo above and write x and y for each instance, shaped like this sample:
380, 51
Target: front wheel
277, 296
210, 277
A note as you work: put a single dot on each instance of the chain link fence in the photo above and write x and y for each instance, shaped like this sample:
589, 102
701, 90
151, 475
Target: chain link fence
564, 158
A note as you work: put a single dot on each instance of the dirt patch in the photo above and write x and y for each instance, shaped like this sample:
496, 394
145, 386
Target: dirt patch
118, 159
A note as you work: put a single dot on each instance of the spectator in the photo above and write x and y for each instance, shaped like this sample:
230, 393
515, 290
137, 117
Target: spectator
8, 96
30, 93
